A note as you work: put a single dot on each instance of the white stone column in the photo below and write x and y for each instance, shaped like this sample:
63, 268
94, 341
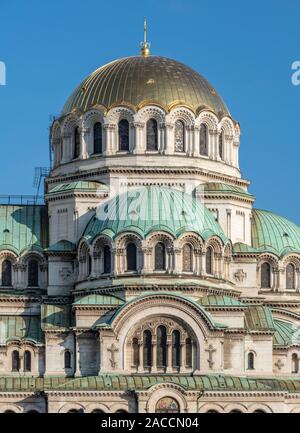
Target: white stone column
66, 148
110, 145
85, 147
139, 147
236, 154
169, 139
196, 141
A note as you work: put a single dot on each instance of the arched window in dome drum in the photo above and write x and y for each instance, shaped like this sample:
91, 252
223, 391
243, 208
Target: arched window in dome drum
221, 144
160, 256
203, 140
295, 363
250, 361
124, 135
6, 273
188, 352
15, 360
33, 273
135, 352
265, 277
27, 361
106, 260
290, 276
209, 261
76, 152
67, 359
131, 257
97, 138
187, 258
161, 347
179, 136
147, 346
176, 349
152, 136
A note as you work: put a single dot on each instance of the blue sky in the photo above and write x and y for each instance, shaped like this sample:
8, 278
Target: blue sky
245, 49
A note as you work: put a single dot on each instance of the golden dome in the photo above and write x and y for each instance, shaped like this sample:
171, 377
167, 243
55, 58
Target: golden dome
139, 80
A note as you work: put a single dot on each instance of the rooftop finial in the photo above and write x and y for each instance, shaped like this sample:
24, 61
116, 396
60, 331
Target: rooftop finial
145, 46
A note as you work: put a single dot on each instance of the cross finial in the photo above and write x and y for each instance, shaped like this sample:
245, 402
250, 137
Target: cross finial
145, 46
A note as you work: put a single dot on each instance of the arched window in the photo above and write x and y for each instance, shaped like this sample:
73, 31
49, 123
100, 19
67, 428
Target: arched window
135, 353
27, 361
131, 257
290, 276
250, 361
67, 359
147, 343
89, 264
179, 136
203, 140
76, 143
187, 258
106, 260
152, 137
33, 273
188, 352
97, 138
97, 411
6, 273
221, 144
161, 346
209, 261
160, 256
265, 277
176, 349
295, 363
15, 361
167, 405
123, 135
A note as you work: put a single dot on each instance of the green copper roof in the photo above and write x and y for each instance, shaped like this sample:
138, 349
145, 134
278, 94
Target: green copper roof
111, 382
274, 233
56, 316
239, 247
62, 246
79, 186
153, 208
286, 333
219, 301
137, 80
223, 188
99, 300
259, 318
23, 227
20, 328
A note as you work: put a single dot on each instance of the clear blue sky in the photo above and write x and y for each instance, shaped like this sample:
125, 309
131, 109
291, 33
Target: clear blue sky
245, 49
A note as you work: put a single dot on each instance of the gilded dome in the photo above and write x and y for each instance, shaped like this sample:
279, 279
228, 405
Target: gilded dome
138, 80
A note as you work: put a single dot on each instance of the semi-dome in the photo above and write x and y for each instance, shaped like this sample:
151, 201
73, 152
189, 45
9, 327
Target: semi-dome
274, 233
153, 208
140, 80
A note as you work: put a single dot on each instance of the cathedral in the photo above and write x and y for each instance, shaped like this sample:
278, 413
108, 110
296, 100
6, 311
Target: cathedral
147, 280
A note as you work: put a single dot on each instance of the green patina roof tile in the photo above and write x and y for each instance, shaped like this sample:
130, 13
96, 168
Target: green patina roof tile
56, 316
20, 328
96, 299
259, 318
82, 185
224, 189
23, 227
219, 301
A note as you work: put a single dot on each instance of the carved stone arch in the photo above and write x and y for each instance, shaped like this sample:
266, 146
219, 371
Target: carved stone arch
293, 259
207, 407
55, 133
183, 114
209, 119
99, 242
235, 406
259, 407
91, 117
189, 238
216, 243
83, 249
28, 255
227, 126
70, 123
228, 249
127, 237
116, 114
159, 391
160, 236
10, 407
10, 255
97, 406
269, 258
69, 406
150, 112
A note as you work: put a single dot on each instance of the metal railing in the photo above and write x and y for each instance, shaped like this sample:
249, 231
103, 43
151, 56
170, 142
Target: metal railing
21, 200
